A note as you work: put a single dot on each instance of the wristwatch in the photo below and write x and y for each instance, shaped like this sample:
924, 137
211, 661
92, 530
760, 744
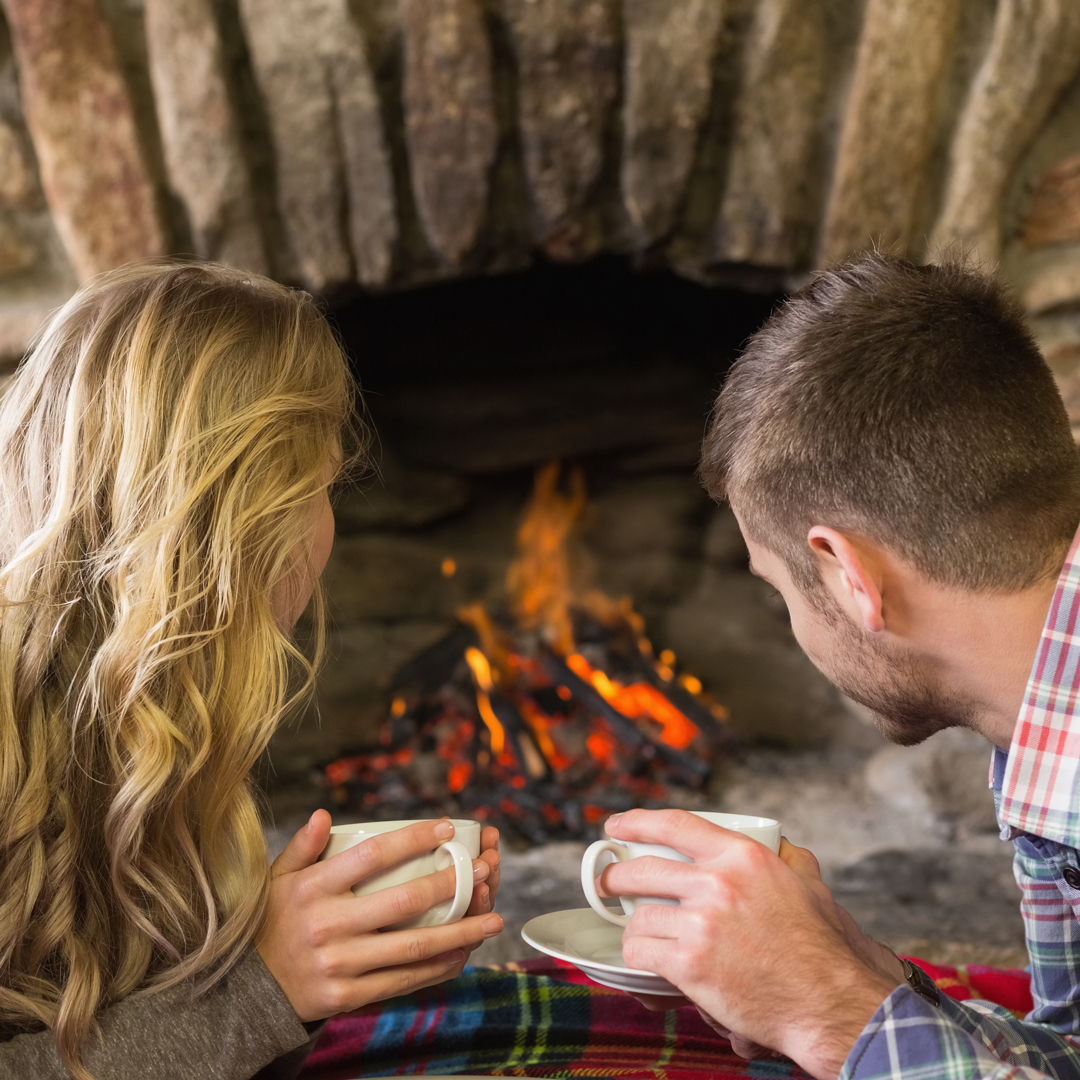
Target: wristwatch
921, 983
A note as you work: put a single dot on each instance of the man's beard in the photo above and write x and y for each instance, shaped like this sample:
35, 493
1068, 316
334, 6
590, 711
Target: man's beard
897, 688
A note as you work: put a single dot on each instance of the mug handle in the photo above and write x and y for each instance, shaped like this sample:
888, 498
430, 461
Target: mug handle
463, 886
588, 878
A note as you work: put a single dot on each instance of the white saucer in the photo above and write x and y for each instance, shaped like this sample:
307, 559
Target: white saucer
594, 945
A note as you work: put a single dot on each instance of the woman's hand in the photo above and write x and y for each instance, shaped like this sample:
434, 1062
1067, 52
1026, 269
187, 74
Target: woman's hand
322, 943
485, 891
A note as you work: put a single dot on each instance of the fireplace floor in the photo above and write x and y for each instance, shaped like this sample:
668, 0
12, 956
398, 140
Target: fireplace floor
905, 837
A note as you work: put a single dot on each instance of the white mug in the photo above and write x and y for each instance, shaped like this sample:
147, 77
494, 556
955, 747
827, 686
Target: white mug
764, 830
458, 853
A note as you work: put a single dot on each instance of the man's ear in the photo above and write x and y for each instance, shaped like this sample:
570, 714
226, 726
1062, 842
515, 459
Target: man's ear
850, 574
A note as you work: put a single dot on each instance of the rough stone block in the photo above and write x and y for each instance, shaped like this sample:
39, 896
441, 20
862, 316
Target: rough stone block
400, 498
767, 214
17, 250
333, 167
886, 135
1033, 53
199, 132
450, 124
567, 53
387, 577
362, 657
724, 546
946, 776
669, 49
664, 513
80, 117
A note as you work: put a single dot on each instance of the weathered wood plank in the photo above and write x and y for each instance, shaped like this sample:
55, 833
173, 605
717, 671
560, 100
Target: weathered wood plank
199, 132
670, 47
766, 216
1034, 52
567, 55
450, 124
80, 117
888, 125
332, 162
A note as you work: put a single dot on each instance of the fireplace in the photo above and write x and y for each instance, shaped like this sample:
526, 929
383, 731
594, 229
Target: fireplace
478, 391
494, 197
474, 389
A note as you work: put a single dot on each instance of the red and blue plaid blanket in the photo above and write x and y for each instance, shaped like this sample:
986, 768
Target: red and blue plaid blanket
545, 1018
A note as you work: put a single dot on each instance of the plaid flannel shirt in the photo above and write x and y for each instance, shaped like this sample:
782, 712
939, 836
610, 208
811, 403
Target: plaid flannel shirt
1037, 792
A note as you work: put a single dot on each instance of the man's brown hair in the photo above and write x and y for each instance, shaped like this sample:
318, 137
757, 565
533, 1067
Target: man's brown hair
909, 404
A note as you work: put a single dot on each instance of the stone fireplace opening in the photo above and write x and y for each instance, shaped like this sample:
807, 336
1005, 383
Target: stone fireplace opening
471, 388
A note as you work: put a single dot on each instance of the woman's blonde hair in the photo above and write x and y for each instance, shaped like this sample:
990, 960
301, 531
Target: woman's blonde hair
161, 451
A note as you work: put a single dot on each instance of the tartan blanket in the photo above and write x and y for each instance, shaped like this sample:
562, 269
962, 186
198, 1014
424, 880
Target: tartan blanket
545, 1018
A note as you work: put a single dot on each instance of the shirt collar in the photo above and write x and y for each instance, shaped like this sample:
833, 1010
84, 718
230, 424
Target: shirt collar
1039, 788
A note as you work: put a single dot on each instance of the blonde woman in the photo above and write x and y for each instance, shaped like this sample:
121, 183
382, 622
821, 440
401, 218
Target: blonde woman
165, 457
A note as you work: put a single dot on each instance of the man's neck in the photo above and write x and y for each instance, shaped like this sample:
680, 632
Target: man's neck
982, 646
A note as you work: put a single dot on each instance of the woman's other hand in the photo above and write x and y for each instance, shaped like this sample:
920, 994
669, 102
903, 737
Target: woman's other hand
485, 891
322, 943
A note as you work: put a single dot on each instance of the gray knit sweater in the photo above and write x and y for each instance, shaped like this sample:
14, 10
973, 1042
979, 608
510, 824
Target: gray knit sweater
244, 1028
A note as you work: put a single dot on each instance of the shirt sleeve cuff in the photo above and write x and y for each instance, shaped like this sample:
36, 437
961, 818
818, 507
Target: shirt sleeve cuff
904, 1033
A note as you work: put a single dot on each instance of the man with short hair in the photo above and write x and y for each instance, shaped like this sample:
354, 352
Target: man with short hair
901, 466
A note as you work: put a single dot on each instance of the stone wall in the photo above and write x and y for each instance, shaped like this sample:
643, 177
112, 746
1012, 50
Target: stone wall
389, 143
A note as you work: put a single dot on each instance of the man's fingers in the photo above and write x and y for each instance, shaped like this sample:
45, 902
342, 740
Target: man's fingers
661, 1002
692, 836
649, 875
381, 851
305, 847
657, 921
801, 860
750, 1050
647, 953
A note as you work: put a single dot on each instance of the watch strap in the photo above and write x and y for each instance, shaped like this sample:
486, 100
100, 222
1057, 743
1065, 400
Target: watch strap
921, 983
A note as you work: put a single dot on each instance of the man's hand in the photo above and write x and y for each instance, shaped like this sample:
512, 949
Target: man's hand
757, 943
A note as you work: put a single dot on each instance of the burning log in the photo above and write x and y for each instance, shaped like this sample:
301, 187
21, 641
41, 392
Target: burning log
547, 722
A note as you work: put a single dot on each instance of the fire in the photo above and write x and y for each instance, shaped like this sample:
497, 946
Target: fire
539, 579
512, 720
481, 670
639, 700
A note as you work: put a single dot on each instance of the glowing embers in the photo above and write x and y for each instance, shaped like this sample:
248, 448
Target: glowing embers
548, 719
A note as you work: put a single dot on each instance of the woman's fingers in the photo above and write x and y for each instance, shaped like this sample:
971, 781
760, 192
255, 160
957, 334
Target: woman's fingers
484, 893
396, 903
383, 850
305, 847
392, 982
404, 948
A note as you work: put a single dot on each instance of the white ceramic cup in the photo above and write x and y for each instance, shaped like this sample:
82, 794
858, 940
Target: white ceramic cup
764, 830
458, 853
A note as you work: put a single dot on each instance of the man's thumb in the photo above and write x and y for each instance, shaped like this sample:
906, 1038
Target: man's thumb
305, 847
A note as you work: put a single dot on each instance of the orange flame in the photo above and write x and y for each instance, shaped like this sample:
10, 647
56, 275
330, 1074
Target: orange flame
481, 671
639, 700
539, 578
